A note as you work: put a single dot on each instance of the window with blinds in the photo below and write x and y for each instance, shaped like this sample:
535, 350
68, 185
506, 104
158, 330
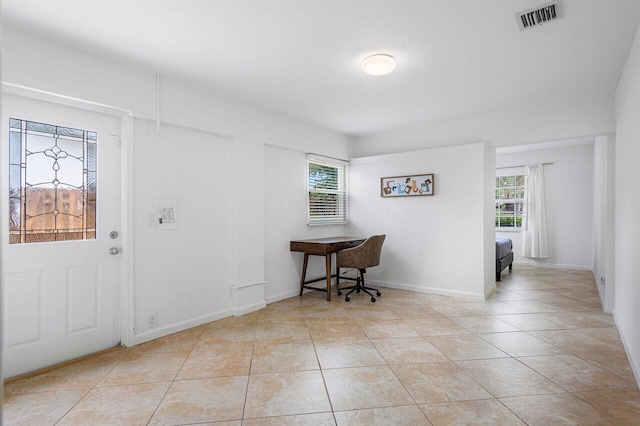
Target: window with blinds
509, 201
327, 187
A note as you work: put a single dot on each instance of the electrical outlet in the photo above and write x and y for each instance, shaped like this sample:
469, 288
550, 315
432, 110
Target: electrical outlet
153, 320
602, 280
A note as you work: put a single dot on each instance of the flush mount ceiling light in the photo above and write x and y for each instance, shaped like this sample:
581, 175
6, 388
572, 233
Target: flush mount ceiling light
379, 64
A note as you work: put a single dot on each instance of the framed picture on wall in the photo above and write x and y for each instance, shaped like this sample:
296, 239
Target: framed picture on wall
407, 186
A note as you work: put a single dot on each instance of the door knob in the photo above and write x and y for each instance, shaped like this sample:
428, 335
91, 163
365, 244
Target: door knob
114, 250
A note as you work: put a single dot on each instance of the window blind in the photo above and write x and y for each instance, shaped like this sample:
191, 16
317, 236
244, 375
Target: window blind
327, 190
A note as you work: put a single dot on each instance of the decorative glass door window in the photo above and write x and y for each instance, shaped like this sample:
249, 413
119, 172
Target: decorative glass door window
52, 182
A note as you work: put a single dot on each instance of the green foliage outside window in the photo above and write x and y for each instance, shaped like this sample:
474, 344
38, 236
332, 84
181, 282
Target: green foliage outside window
327, 192
509, 201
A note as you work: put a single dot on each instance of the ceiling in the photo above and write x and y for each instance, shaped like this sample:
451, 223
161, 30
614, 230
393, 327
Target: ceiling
455, 58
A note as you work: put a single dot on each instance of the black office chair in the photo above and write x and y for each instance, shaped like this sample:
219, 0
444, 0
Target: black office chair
366, 255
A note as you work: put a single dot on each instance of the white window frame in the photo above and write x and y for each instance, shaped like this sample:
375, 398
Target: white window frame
341, 217
511, 173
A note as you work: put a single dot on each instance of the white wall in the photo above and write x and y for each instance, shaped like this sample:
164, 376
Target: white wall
238, 282
599, 211
489, 220
183, 274
434, 243
627, 206
514, 126
75, 73
569, 203
1, 292
603, 215
286, 213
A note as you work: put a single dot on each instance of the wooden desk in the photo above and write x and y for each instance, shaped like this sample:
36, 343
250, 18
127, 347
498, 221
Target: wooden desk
322, 247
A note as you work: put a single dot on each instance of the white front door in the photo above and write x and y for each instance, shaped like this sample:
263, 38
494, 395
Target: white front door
60, 267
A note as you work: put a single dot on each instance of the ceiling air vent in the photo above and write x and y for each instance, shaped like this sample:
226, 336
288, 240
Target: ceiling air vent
537, 16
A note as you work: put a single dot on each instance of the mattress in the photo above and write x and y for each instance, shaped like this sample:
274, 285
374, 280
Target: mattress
503, 247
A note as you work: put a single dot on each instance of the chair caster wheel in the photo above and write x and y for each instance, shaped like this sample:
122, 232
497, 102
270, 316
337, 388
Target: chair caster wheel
339, 293
378, 294
346, 299
373, 299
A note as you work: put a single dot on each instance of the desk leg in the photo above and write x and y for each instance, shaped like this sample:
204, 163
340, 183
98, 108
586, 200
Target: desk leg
328, 265
304, 272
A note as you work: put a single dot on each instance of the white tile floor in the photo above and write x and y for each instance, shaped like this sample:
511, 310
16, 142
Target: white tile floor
539, 352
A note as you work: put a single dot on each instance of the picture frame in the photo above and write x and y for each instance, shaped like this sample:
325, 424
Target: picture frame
407, 185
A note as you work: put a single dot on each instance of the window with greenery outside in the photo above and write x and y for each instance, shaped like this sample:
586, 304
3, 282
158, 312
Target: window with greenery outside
509, 201
327, 201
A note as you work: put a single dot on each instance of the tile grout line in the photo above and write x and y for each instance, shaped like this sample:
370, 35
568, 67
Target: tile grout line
88, 391
394, 373
246, 391
572, 310
174, 377
324, 381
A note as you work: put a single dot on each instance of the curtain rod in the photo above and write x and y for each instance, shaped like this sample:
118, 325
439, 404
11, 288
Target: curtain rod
513, 167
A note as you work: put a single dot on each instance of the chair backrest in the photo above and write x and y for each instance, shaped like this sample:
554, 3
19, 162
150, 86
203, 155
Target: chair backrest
365, 255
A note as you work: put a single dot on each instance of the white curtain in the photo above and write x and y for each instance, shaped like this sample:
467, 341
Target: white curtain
534, 224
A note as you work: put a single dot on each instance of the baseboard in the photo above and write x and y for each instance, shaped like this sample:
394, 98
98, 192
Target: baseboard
553, 265
490, 293
601, 294
429, 290
243, 310
606, 307
282, 296
633, 361
247, 297
60, 365
156, 333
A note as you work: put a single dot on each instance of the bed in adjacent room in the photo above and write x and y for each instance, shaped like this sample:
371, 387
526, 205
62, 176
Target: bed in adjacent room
504, 255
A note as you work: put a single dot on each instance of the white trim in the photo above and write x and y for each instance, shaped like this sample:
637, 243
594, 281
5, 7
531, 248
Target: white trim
491, 292
553, 265
28, 92
185, 127
634, 362
476, 297
127, 285
606, 307
156, 333
243, 310
236, 287
283, 296
245, 302
329, 161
